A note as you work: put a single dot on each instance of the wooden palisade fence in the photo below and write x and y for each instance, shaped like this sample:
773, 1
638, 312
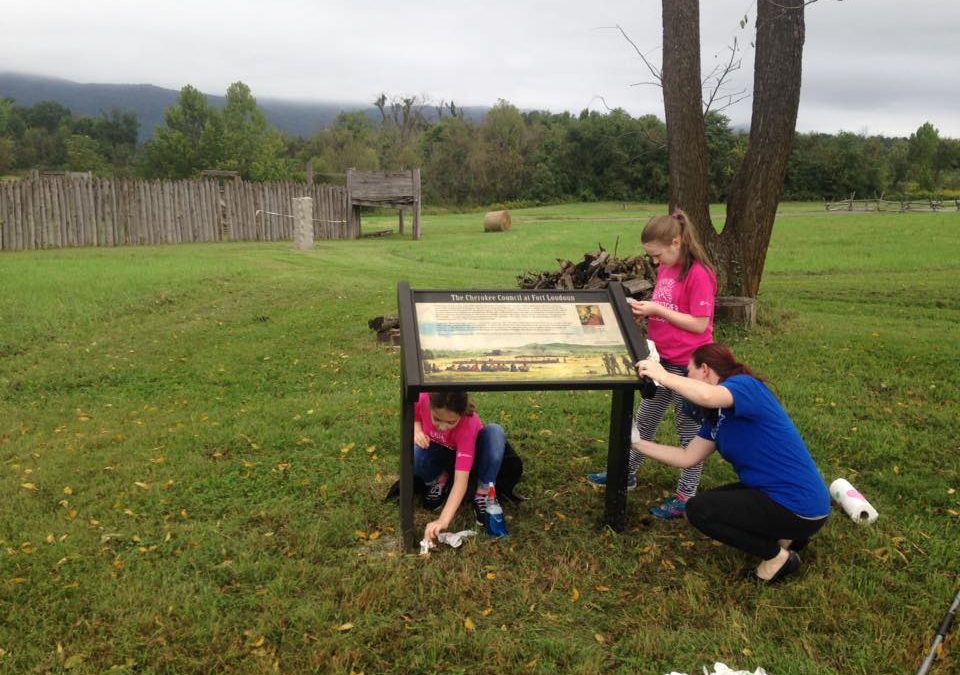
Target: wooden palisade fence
61, 212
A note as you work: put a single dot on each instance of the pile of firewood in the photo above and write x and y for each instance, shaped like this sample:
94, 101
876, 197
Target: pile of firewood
388, 329
596, 270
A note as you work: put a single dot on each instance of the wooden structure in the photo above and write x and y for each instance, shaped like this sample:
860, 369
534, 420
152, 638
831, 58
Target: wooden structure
881, 204
59, 212
736, 310
396, 189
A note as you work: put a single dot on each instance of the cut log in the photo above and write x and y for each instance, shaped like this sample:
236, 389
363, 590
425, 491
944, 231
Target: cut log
497, 221
736, 310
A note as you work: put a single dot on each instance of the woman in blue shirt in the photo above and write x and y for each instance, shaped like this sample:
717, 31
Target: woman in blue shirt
781, 499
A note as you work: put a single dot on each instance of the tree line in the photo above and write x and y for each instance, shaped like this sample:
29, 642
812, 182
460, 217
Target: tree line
508, 157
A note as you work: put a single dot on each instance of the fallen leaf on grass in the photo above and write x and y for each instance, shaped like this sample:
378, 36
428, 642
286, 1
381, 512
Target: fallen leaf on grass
67, 490
29, 486
74, 660
491, 575
574, 595
469, 624
345, 627
599, 638
487, 612
603, 589
140, 484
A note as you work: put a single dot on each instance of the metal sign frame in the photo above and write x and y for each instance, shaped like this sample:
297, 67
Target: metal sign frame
416, 377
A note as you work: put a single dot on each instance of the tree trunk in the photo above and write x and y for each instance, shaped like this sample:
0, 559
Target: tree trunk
683, 111
741, 249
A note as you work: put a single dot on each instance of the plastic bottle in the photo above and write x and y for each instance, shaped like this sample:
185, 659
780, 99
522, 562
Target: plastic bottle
496, 525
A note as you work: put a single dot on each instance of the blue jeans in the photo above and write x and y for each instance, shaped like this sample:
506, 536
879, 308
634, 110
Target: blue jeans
428, 463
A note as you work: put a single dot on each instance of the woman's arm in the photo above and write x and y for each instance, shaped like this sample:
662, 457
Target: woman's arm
459, 489
688, 322
697, 392
696, 451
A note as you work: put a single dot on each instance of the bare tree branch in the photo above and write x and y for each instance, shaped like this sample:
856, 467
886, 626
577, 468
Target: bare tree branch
657, 75
717, 75
732, 65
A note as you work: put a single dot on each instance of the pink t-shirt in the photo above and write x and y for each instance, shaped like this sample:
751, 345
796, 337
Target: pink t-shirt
695, 296
462, 438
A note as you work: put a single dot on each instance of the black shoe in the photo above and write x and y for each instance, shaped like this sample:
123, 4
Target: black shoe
789, 567
480, 512
433, 497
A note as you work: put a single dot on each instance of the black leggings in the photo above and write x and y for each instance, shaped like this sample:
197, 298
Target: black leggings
748, 519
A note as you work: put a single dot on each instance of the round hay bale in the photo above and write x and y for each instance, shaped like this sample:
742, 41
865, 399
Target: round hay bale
496, 221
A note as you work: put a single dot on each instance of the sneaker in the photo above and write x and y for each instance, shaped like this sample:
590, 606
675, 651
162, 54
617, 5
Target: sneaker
670, 509
600, 480
433, 499
480, 511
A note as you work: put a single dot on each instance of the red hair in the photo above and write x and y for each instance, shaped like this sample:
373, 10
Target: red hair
722, 361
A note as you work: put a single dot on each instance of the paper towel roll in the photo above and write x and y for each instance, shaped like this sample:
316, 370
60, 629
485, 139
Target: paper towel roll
851, 501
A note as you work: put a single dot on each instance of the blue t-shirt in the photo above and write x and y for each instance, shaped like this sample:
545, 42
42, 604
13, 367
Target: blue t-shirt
759, 439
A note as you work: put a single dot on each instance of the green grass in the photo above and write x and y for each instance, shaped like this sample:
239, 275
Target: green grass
195, 442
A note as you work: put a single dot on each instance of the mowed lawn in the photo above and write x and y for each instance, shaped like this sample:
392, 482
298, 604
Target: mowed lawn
195, 442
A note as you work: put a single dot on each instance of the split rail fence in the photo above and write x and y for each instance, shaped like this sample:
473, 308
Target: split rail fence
891, 205
63, 212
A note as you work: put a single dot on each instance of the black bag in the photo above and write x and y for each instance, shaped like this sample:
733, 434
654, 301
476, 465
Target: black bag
511, 471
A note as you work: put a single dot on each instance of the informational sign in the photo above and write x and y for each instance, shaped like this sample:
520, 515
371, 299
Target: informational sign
524, 336
519, 340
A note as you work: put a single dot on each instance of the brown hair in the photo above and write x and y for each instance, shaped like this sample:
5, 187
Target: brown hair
722, 361
454, 401
663, 230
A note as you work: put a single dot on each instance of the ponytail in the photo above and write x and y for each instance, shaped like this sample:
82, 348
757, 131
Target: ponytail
663, 230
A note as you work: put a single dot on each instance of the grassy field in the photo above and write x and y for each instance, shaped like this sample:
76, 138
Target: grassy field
195, 442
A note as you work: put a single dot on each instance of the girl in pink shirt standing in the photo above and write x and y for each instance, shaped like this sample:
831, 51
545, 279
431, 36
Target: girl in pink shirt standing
679, 320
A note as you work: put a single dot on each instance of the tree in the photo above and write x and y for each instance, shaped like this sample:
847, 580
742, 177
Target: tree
250, 146
349, 143
190, 140
922, 152
740, 249
83, 153
7, 145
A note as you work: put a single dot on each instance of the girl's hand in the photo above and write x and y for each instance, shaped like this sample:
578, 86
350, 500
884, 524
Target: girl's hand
420, 439
434, 528
644, 308
651, 369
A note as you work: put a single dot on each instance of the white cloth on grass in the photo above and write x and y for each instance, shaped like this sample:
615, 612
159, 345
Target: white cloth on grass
722, 669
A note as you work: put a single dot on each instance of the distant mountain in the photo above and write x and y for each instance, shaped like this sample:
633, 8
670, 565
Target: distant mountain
297, 118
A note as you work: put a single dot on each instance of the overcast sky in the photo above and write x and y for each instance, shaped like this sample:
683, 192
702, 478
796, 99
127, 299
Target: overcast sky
870, 66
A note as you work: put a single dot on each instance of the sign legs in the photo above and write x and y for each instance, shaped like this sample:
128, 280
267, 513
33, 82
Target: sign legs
618, 456
406, 475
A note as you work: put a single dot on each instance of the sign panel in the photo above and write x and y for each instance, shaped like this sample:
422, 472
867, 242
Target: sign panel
521, 337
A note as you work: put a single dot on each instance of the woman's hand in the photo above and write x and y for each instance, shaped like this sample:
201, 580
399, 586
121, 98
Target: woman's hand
433, 528
652, 369
420, 439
